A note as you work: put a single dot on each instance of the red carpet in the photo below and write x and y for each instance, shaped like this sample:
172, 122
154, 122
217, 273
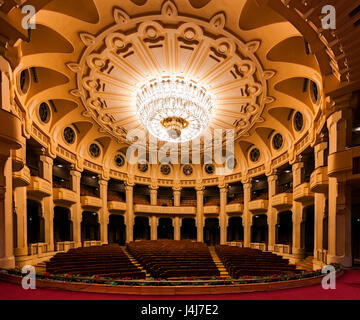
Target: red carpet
347, 288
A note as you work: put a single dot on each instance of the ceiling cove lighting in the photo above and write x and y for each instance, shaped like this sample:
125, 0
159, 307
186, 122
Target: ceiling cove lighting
174, 109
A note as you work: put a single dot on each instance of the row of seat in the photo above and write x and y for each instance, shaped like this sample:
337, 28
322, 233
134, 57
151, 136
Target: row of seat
174, 259
251, 262
107, 260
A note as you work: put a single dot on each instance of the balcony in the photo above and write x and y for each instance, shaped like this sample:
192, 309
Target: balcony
141, 208
91, 203
319, 180
282, 201
116, 206
211, 209
64, 246
235, 208
303, 194
21, 178
258, 206
258, 246
64, 196
39, 188
282, 248
18, 159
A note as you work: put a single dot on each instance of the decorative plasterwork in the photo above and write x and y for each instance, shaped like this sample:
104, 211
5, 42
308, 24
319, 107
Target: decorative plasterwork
134, 50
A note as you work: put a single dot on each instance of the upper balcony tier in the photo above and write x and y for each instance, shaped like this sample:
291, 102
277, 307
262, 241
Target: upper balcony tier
21, 178
91, 203
258, 206
302, 193
39, 188
64, 196
140, 208
319, 181
282, 201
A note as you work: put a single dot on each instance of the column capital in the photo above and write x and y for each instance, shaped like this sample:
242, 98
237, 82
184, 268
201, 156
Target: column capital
223, 189
75, 173
177, 188
272, 177
103, 182
153, 187
199, 188
129, 187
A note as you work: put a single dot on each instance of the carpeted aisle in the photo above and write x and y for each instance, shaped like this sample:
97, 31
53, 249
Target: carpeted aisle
347, 288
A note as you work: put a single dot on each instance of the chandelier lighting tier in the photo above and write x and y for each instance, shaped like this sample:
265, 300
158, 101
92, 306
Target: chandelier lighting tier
174, 109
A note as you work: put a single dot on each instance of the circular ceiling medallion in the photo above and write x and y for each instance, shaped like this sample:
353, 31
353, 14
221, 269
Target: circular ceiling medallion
135, 50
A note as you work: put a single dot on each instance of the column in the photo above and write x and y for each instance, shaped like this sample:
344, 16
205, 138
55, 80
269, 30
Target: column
75, 209
320, 207
222, 217
272, 212
200, 213
298, 250
247, 216
129, 214
20, 196
104, 213
177, 196
177, 228
7, 259
339, 234
153, 195
48, 203
154, 222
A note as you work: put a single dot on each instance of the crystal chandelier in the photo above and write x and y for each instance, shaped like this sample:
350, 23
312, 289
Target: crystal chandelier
174, 109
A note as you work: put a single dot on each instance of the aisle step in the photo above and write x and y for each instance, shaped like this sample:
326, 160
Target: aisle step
135, 263
223, 271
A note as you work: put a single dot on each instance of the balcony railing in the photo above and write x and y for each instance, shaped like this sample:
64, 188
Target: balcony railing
37, 248
64, 246
258, 246
282, 248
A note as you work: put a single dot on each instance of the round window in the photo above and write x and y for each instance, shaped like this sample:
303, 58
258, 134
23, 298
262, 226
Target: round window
69, 135
188, 170
165, 169
278, 141
298, 121
209, 168
255, 155
143, 167
44, 112
94, 150
24, 81
119, 160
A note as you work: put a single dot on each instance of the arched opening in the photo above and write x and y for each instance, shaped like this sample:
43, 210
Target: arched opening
141, 228
355, 234
90, 227
165, 229
188, 229
212, 231
62, 225
307, 229
15, 229
284, 228
259, 229
325, 233
116, 230
35, 223
235, 229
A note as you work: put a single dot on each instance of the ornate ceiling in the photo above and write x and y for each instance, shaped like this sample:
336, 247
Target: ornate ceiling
87, 58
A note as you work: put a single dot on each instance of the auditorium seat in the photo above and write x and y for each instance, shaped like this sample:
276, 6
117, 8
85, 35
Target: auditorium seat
107, 261
174, 259
250, 262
